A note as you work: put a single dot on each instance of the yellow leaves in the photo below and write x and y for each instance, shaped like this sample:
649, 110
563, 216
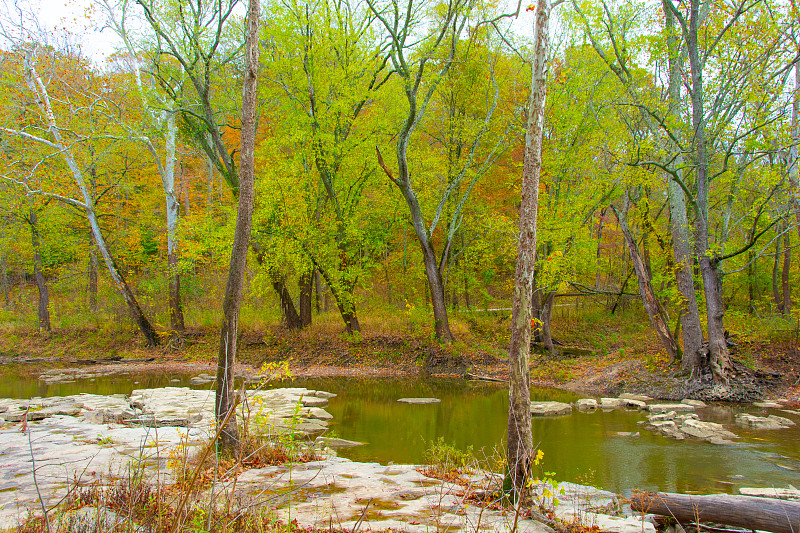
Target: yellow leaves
538, 459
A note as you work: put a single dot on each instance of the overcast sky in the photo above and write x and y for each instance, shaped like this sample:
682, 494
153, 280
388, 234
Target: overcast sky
81, 21
76, 19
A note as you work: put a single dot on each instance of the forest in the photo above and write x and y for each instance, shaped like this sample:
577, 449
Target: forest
388, 161
459, 182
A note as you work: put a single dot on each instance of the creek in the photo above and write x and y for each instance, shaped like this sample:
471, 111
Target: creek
593, 448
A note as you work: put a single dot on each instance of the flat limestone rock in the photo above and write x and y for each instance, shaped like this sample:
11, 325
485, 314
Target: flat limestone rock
699, 404
771, 492
710, 431
781, 420
550, 409
332, 442
665, 407
634, 404
768, 405
615, 524
318, 413
313, 401
759, 422
587, 404
419, 401
638, 397
610, 403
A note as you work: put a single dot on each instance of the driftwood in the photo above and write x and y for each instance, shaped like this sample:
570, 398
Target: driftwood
479, 377
765, 514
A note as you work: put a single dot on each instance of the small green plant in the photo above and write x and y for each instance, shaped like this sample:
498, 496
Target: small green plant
445, 460
104, 439
547, 498
352, 338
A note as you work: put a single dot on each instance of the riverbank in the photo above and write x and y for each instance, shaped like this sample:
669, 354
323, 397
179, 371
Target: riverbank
74, 455
86, 442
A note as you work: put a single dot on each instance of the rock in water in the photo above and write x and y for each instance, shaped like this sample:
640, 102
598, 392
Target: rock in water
760, 422
419, 401
587, 404
550, 409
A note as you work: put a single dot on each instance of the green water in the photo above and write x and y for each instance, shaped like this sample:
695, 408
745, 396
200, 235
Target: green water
14, 386
583, 448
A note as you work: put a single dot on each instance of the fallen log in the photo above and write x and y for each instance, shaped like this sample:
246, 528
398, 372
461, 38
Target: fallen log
765, 514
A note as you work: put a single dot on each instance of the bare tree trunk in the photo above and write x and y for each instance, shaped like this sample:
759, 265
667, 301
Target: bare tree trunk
306, 288
172, 208
787, 264
344, 302
436, 286
653, 307
691, 361
600, 224
92, 265
318, 290
519, 449
4, 264
41, 283
91, 273
794, 150
546, 318
719, 358
225, 402
777, 297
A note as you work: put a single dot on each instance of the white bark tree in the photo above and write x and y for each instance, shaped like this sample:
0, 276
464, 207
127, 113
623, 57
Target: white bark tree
159, 116
64, 149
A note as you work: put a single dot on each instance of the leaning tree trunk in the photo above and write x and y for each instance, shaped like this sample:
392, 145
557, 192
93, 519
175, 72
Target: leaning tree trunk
41, 283
290, 317
436, 286
651, 304
519, 449
225, 403
344, 302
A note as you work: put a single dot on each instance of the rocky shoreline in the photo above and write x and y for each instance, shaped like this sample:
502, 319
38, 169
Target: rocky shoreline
83, 439
86, 439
